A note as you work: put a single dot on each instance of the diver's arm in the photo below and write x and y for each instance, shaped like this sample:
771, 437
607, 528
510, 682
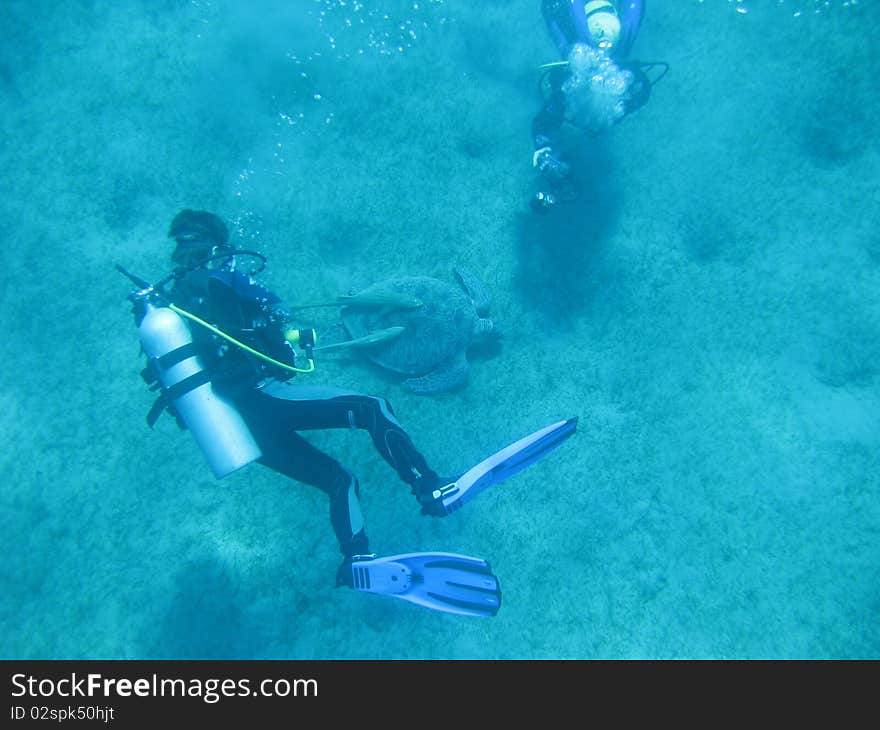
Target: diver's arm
251, 312
545, 132
548, 121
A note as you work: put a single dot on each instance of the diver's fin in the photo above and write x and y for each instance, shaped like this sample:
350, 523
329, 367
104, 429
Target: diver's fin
440, 581
498, 467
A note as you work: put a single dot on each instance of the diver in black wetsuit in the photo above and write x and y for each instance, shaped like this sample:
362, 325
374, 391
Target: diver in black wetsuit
228, 381
273, 408
592, 89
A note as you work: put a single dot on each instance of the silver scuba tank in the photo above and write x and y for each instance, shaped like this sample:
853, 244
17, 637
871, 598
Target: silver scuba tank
218, 428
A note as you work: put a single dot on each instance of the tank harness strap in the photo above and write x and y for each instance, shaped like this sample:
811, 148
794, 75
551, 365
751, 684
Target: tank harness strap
156, 409
196, 380
151, 375
166, 398
169, 359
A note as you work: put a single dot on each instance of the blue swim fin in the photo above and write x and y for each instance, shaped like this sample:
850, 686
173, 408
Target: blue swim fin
498, 467
440, 581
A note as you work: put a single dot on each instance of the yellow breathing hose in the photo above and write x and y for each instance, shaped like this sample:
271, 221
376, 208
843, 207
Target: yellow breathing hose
246, 348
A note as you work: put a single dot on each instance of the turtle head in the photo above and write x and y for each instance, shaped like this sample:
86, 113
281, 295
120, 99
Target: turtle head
486, 330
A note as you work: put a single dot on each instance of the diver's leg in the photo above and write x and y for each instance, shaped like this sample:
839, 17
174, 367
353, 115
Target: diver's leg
288, 453
304, 408
393, 443
301, 461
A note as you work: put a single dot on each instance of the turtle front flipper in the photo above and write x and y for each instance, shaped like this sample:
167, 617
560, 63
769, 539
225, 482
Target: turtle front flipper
476, 290
386, 301
449, 376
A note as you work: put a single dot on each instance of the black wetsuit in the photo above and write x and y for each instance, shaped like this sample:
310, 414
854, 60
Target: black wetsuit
275, 409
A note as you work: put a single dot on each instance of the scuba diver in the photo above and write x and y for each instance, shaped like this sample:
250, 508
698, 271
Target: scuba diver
222, 351
594, 88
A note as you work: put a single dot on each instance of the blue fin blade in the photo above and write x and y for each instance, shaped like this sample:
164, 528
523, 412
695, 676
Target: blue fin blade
446, 582
505, 463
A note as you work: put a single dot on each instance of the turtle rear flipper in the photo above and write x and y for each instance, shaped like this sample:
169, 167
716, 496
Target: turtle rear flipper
449, 376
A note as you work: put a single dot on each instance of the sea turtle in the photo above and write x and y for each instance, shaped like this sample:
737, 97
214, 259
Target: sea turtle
431, 350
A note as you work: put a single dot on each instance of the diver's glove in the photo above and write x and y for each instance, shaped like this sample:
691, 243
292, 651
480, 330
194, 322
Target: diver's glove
545, 161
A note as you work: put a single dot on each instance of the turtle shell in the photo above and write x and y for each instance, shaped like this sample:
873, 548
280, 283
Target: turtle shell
436, 332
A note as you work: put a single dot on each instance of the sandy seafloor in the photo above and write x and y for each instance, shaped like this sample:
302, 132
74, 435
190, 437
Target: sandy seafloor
709, 309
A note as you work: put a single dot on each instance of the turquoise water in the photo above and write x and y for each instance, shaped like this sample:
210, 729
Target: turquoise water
709, 309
